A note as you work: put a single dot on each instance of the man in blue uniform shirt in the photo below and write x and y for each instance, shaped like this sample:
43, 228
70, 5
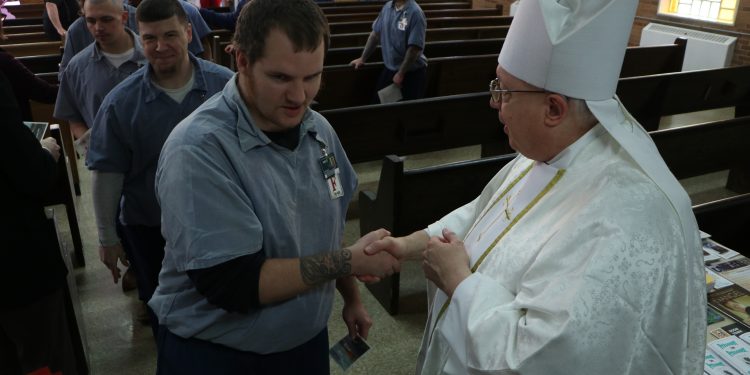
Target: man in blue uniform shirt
130, 128
254, 188
400, 29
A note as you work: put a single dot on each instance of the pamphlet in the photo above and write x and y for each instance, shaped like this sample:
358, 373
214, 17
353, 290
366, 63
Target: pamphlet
348, 350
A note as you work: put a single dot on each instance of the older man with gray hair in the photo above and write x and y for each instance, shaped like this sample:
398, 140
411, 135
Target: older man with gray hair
582, 256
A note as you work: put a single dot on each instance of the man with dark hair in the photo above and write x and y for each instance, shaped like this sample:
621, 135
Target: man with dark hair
254, 188
130, 129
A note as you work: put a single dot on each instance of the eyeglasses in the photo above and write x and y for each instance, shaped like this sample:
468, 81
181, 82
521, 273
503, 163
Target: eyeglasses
499, 94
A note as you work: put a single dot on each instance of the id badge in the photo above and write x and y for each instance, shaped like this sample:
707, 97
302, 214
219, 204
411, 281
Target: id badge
402, 23
328, 165
335, 190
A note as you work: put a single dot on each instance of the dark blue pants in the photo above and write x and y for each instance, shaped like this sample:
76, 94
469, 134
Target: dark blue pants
193, 356
412, 87
146, 253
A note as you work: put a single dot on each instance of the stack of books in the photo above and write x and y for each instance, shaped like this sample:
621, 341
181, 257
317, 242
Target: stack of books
728, 277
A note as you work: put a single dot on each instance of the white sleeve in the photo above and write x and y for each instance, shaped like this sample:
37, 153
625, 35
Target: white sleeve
106, 191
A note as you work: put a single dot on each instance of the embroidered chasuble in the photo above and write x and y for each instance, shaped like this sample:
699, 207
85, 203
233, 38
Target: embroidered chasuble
578, 267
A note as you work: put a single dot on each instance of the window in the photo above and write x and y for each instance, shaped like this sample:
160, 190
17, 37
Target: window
720, 11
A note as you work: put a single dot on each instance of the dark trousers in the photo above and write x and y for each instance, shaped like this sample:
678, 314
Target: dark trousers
193, 356
36, 336
146, 253
412, 87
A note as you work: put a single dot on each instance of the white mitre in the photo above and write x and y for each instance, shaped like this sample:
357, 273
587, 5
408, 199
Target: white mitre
576, 48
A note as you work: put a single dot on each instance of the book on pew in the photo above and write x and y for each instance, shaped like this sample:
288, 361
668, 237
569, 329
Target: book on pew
734, 301
712, 247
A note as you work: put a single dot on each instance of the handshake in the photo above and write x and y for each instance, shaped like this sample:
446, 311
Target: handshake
445, 260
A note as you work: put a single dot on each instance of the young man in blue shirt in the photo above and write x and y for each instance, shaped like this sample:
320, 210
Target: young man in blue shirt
130, 128
254, 188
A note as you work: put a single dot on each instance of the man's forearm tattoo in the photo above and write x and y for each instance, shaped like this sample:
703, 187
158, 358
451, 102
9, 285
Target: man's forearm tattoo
320, 268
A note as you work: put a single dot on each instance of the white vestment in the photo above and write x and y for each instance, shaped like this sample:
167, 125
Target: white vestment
594, 277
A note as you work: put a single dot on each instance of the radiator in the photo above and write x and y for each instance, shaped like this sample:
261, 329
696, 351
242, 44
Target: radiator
704, 50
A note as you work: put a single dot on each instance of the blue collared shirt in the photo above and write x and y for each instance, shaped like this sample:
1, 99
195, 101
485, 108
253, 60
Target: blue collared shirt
131, 127
88, 78
78, 36
399, 29
226, 191
199, 26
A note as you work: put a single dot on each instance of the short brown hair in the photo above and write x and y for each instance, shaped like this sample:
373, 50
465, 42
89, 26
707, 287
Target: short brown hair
302, 21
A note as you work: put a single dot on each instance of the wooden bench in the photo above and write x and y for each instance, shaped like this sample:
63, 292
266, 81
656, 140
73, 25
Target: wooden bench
346, 87
41, 63
33, 49
438, 13
432, 23
22, 29
33, 10
375, 8
23, 21
17, 38
63, 193
406, 198
431, 35
650, 98
727, 220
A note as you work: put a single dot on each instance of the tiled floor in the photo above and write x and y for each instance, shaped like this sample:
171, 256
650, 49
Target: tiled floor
119, 344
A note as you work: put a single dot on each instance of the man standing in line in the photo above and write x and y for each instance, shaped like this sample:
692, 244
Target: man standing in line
400, 30
254, 188
582, 256
93, 72
130, 129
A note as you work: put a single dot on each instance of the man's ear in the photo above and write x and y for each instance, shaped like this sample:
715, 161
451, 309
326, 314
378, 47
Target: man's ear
125, 16
241, 61
189, 32
556, 110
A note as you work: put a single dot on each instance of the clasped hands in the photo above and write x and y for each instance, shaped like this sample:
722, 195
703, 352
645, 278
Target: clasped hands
445, 260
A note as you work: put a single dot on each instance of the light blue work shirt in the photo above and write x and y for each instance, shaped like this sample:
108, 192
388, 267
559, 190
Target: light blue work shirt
199, 26
78, 36
131, 127
227, 191
399, 29
88, 78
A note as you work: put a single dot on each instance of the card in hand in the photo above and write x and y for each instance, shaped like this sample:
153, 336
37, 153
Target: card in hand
348, 350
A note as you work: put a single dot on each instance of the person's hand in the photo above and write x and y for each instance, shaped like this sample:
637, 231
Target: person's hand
109, 255
372, 268
446, 262
62, 33
229, 49
82, 144
357, 319
396, 246
50, 144
357, 63
398, 78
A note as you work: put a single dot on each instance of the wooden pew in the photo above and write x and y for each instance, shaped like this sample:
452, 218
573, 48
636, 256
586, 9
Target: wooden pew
32, 10
432, 23
346, 3
63, 193
33, 49
23, 21
650, 98
727, 220
438, 13
346, 87
431, 35
406, 198
22, 29
448, 48
33, 37
375, 8
42, 63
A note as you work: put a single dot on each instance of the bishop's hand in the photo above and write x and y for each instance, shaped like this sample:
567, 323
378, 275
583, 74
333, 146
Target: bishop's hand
445, 262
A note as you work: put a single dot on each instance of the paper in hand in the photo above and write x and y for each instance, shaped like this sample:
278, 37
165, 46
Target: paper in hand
390, 94
348, 350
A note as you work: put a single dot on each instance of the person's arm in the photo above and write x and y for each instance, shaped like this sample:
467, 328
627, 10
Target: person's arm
54, 17
26, 83
412, 55
372, 43
220, 20
355, 316
106, 189
29, 167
